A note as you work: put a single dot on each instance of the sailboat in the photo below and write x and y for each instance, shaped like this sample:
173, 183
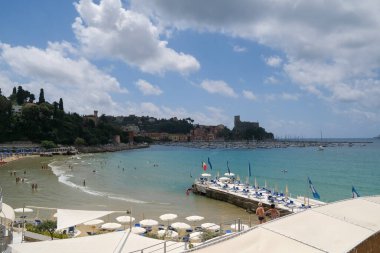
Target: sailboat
321, 148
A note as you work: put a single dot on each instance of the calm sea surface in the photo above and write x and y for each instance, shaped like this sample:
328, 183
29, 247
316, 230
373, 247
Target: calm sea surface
153, 181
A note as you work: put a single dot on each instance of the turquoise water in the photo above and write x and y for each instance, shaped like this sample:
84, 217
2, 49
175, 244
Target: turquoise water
153, 181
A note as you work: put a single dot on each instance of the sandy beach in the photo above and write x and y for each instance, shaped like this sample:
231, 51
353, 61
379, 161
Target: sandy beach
14, 158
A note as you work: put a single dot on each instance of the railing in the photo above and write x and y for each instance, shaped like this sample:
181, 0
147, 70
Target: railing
5, 234
169, 246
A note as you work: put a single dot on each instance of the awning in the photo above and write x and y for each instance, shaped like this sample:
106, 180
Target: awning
7, 212
68, 218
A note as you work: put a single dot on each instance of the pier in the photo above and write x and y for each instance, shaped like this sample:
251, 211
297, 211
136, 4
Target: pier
249, 198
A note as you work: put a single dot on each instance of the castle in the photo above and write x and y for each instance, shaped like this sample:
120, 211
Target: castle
242, 126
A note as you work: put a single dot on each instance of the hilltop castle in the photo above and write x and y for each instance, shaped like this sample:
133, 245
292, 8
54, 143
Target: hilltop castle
241, 126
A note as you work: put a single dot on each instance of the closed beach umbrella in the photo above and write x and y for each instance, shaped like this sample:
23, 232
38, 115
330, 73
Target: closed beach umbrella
137, 230
111, 226
181, 225
148, 223
206, 175
210, 226
23, 210
167, 233
242, 227
125, 219
93, 222
194, 218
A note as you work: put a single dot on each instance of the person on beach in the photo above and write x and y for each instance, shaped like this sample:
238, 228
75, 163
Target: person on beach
260, 212
84, 182
273, 212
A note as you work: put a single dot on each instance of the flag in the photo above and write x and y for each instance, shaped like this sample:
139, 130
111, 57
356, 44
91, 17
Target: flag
355, 194
249, 170
228, 168
315, 193
204, 166
209, 162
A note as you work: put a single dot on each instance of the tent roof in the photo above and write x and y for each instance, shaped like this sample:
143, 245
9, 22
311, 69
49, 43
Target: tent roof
336, 227
110, 242
7, 212
68, 218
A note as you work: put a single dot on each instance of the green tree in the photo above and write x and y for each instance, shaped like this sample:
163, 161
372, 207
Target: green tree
41, 98
60, 104
79, 142
48, 226
48, 144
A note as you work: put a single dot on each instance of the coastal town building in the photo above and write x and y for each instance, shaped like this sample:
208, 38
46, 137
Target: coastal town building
205, 133
242, 126
93, 117
16, 109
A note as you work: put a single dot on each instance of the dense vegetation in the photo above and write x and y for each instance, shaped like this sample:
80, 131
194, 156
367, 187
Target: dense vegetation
22, 118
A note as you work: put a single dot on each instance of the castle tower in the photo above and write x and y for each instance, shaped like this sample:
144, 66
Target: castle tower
96, 114
237, 120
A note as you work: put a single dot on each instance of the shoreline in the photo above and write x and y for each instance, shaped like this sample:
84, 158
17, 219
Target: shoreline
10, 159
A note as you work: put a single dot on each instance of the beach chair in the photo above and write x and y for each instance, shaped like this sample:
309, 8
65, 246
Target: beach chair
228, 231
137, 225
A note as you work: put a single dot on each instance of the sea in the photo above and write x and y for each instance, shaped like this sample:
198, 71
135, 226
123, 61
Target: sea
153, 181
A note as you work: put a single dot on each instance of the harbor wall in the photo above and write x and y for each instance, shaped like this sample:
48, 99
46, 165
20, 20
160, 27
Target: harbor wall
249, 205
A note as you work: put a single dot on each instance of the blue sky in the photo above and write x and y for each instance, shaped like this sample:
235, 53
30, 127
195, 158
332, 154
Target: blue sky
297, 67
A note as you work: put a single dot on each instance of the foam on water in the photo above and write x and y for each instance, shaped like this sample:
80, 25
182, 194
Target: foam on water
64, 178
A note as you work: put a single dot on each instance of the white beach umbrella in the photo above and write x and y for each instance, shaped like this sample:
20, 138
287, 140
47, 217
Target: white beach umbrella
195, 236
148, 223
242, 227
194, 218
125, 219
181, 225
206, 175
229, 174
137, 230
168, 216
23, 210
111, 226
210, 226
93, 222
167, 233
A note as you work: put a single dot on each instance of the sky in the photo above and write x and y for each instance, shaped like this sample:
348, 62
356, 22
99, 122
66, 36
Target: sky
298, 67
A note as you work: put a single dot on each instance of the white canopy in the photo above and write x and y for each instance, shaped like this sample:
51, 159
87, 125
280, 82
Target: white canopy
229, 174
337, 227
195, 236
125, 219
168, 216
68, 218
137, 230
111, 226
23, 210
106, 243
206, 175
148, 222
210, 226
7, 212
194, 218
180, 225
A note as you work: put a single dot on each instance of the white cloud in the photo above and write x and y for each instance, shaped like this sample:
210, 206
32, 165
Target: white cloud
239, 49
273, 61
218, 87
82, 85
107, 30
331, 48
249, 95
271, 80
148, 89
289, 96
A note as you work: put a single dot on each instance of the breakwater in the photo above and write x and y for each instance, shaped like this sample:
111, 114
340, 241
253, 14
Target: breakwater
109, 148
248, 204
